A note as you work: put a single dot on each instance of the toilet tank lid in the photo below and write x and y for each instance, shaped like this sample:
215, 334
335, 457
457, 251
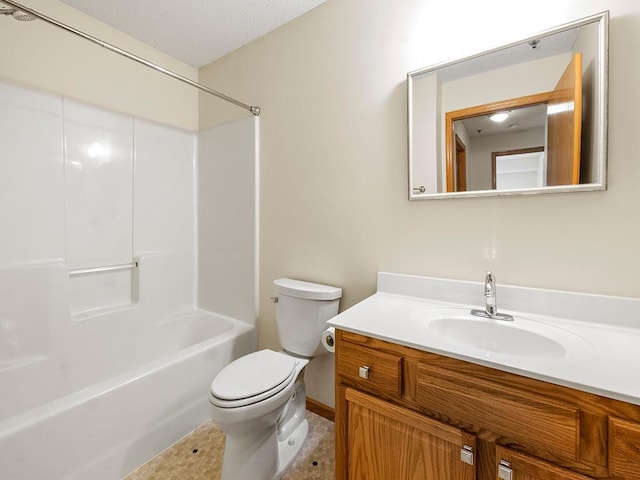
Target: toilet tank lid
311, 291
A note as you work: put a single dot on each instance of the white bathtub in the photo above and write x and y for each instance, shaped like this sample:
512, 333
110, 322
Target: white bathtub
148, 390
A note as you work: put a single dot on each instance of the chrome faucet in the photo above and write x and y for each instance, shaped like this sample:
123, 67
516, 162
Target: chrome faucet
490, 305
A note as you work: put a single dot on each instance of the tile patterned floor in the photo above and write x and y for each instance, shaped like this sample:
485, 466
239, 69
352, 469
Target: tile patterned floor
198, 456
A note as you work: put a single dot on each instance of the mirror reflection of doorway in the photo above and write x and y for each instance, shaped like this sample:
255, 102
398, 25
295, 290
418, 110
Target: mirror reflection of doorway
556, 114
516, 169
461, 166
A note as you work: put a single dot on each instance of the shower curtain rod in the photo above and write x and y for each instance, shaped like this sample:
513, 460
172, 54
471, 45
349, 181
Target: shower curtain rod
253, 109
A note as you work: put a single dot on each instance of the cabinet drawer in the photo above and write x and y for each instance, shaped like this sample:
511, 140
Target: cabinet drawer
516, 466
624, 449
381, 369
545, 427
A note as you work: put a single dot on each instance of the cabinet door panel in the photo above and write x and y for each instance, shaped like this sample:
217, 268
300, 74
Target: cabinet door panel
387, 442
524, 467
624, 449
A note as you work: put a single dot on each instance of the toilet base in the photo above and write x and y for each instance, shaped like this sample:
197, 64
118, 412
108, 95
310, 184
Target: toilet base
270, 457
263, 449
288, 449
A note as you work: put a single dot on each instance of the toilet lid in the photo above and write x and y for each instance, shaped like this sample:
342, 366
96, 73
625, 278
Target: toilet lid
252, 375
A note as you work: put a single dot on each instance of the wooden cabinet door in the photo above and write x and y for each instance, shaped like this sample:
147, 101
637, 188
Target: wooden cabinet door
388, 442
624, 449
513, 465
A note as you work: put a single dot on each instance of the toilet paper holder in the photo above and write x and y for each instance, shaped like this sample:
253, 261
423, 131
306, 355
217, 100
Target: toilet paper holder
328, 339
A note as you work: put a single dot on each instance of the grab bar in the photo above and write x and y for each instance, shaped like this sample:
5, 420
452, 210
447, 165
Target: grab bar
109, 268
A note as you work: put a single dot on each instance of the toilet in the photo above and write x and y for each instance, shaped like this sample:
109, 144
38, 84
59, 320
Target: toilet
259, 400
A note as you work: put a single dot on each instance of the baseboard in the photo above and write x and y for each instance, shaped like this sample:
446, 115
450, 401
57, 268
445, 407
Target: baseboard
321, 409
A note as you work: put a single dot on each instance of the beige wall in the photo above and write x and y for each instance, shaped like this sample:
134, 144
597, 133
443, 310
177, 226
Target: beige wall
43, 56
334, 205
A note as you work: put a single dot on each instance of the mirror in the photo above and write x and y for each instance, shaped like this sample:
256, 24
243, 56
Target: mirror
525, 118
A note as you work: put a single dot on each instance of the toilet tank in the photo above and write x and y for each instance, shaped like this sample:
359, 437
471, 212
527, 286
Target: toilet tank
302, 311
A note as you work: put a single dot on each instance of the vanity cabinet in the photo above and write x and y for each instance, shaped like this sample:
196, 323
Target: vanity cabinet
403, 413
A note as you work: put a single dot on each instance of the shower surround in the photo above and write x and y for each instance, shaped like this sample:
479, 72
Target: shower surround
105, 357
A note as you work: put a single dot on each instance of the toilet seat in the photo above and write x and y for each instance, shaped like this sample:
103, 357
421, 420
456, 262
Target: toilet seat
252, 378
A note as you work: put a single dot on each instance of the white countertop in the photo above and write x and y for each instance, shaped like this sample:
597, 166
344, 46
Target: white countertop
601, 357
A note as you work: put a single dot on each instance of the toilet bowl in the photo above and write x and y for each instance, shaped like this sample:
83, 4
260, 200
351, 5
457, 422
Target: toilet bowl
259, 400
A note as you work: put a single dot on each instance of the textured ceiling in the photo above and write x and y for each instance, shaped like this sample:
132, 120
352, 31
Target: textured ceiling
195, 31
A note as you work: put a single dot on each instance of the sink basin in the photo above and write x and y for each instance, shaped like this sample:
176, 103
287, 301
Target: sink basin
497, 337
521, 337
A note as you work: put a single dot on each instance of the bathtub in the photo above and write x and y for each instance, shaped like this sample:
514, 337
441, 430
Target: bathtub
109, 415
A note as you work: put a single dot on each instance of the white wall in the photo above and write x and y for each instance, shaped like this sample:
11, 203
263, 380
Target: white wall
164, 214
32, 180
333, 137
227, 195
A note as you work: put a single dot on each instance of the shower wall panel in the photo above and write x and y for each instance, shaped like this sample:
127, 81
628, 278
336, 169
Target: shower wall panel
31, 176
164, 206
227, 218
99, 186
84, 187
